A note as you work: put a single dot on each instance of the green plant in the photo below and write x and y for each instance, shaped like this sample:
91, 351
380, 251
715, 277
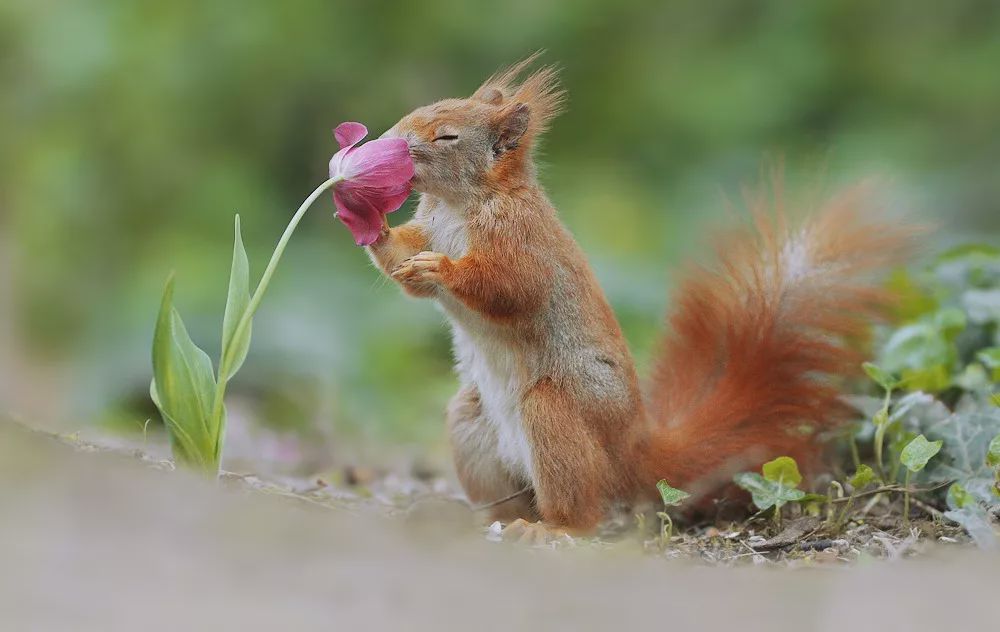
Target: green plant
863, 476
993, 460
188, 394
775, 486
881, 419
915, 456
671, 497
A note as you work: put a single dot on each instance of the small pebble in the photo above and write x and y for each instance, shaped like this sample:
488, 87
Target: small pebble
494, 533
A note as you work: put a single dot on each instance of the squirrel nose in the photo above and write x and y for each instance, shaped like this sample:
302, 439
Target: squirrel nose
394, 132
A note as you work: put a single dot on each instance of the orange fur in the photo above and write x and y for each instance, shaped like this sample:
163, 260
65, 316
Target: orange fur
550, 398
749, 370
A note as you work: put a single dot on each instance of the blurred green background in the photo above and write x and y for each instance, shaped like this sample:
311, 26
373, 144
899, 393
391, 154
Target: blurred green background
131, 132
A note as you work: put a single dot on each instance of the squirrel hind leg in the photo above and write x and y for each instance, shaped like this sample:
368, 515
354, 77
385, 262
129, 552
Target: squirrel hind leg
571, 468
480, 471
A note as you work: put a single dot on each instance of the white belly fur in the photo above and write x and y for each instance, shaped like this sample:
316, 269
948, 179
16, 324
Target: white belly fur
483, 359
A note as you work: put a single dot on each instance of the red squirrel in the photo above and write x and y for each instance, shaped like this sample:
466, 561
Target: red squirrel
550, 401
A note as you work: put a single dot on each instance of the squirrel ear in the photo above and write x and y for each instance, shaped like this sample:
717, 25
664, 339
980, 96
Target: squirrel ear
511, 126
489, 94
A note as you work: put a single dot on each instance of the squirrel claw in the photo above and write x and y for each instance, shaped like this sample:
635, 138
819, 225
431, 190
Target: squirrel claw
421, 273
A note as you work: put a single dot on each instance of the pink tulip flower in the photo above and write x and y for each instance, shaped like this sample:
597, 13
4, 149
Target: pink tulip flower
376, 180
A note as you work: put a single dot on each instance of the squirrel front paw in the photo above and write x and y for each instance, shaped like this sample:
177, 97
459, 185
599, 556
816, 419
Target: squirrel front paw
423, 273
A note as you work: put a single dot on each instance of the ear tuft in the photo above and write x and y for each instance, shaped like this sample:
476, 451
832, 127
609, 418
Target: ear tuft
539, 92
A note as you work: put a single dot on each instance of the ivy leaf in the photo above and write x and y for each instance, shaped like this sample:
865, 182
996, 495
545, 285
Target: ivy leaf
783, 470
973, 378
950, 321
918, 452
983, 306
236, 304
924, 352
765, 493
671, 496
975, 519
991, 358
959, 497
993, 452
967, 436
862, 477
880, 376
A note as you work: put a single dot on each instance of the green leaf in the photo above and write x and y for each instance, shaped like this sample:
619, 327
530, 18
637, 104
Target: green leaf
967, 251
973, 378
918, 452
983, 306
183, 385
990, 357
236, 304
183, 447
880, 376
967, 435
959, 497
976, 521
950, 321
765, 493
671, 496
922, 354
993, 452
862, 477
783, 470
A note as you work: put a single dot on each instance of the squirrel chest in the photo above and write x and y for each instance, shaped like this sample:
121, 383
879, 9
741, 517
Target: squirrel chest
484, 356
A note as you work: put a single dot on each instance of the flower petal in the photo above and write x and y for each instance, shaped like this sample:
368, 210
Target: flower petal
379, 163
359, 215
349, 133
391, 199
337, 163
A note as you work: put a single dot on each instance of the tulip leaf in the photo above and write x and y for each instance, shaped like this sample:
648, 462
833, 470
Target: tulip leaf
863, 476
184, 448
236, 304
183, 385
918, 452
783, 470
671, 496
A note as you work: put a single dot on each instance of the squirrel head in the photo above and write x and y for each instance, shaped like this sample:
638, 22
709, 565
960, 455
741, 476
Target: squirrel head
467, 148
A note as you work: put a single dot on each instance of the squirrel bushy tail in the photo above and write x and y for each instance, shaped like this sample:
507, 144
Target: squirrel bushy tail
750, 368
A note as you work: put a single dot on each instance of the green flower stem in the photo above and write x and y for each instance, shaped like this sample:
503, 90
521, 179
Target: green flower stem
906, 498
227, 358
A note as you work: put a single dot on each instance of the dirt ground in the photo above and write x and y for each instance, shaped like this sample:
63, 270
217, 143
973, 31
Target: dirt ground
95, 539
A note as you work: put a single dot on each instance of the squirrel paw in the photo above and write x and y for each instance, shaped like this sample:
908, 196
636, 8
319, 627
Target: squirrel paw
533, 533
422, 273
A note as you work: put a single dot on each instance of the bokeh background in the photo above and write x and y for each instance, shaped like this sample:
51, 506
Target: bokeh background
131, 132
